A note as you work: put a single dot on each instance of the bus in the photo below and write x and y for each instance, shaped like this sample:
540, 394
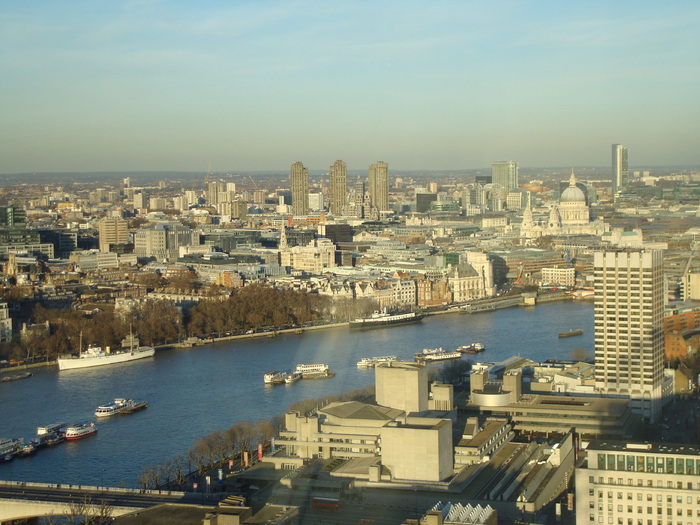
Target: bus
325, 504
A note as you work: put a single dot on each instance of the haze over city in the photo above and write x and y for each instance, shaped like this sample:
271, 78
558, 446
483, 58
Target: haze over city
150, 85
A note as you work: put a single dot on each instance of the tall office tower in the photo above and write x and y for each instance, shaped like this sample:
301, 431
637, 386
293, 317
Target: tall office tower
112, 231
620, 170
505, 173
629, 341
339, 186
378, 179
299, 177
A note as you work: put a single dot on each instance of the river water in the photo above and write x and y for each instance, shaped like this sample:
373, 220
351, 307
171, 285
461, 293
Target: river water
196, 391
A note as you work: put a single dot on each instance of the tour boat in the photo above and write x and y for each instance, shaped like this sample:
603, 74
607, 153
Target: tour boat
383, 318
371, 362
111, 409
473, 348
81, 430
313, 371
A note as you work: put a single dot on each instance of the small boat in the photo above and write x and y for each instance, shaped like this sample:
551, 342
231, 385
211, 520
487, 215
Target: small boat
274, 378
570, 333
133, 406
473, 348
81, 430
371, 362
16, 377
26, 450
111, 409
292, 378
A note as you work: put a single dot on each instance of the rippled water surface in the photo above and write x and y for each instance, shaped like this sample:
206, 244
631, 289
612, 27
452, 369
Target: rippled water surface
193, 392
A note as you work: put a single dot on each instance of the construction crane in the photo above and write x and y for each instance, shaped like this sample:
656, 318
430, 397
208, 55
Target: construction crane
253, 181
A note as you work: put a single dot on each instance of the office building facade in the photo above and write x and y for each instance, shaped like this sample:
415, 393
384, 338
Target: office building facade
299, 178
378, 179
623, 483
505, 173
339, 186
620, 169
629, 340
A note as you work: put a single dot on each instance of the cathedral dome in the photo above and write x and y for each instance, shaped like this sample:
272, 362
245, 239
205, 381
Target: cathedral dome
572, 194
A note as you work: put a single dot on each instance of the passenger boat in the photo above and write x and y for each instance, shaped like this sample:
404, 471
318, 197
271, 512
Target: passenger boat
111, 409
96, 356
292, 378
274, 378
440, 356
313, 371
9, 447
570, 333
133, 406
473, 348
379, 319
49, 435
371, 362
81, 430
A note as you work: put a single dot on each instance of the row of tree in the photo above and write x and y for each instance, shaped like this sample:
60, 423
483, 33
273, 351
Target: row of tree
217, 448
159, 322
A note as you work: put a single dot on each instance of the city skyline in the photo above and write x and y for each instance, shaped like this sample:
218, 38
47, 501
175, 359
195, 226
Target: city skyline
146, 86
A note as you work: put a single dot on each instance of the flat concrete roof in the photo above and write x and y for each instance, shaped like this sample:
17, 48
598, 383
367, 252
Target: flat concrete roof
649, 448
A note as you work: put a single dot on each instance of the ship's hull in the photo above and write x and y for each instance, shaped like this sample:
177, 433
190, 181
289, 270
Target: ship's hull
362, 324
102, 360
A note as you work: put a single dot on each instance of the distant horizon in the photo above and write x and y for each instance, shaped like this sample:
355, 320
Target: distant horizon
349, 171
138, 86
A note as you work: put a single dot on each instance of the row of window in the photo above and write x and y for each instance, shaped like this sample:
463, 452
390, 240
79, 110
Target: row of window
659, 465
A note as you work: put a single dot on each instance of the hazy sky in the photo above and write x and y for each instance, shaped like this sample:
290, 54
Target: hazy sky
255, 85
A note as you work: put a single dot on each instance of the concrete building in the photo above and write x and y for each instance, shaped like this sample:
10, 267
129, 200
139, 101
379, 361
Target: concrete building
629, 341
5, 323
112, 230
338, 186
505, 173
620, 169
559, 276
299, 179
378, 179
313, 258
162, 241
622, 483
402, 385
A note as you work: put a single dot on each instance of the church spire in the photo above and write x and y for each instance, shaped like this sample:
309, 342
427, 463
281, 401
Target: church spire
572, 179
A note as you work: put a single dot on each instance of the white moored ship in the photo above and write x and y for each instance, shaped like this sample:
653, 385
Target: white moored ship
112, 408
383, 318
292, 378
371, 362
313, 371
96, 356
81, 430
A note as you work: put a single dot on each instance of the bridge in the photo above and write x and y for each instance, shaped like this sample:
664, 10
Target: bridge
22, 500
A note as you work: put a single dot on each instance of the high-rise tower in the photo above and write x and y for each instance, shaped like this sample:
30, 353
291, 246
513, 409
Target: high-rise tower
378, 179
620, 170
505, 173
339, 186
299, 177
629, 341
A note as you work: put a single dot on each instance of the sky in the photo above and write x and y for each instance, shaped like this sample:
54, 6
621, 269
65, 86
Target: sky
257, 85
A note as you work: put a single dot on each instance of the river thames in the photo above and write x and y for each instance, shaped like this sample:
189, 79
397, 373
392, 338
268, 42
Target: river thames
193, 392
